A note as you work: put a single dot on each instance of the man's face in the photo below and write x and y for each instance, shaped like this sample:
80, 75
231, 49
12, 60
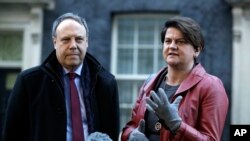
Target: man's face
70, 43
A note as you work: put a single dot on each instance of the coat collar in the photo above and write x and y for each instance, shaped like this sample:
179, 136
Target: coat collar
192, 79
195, 76
55, 70
52, 63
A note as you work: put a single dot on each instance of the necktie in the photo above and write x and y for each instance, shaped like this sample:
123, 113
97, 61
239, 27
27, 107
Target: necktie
77, 129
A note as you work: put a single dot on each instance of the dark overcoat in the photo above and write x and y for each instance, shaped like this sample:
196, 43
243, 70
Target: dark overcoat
36, 108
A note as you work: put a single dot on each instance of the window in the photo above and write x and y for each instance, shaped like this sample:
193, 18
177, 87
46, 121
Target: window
136, 53
11, 48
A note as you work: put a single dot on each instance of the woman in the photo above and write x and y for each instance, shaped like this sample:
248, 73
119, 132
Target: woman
181, 102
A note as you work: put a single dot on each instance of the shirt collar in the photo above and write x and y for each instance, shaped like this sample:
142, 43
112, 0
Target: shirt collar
77, 71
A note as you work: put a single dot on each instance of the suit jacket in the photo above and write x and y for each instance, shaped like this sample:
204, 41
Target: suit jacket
203, 108
36, 108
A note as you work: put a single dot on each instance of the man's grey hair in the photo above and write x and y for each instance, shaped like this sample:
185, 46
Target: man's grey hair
69, 16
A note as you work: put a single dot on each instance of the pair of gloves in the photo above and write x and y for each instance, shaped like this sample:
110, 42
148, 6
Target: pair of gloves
165, 111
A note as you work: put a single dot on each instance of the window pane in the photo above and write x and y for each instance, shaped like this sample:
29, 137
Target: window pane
128, 91
146, 31
145, 61
125, 91
125, 116
10, 80
125, 31
161, 61
125, 61
10, 46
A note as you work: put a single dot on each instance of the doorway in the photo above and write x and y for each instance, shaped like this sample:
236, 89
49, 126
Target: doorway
7, 80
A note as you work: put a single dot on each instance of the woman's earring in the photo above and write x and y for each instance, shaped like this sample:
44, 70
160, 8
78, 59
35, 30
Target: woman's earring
195, 56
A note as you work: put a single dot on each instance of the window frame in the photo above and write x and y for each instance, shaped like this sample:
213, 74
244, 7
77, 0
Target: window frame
7, 63
114, 44
134, 79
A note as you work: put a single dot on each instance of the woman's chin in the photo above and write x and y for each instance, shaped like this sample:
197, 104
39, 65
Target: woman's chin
172, 62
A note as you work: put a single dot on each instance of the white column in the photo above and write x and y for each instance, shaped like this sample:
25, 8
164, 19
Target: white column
32, 49
241, 66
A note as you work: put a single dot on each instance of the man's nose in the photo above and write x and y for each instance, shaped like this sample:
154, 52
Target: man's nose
73, 44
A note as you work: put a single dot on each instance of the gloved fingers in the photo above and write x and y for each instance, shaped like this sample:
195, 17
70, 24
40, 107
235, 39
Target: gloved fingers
156, 98
137, 136
138, 133
177, 101
163, 96
141, 126
151, 106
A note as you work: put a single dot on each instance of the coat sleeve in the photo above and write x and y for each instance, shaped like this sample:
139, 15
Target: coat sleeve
16, 118
116, 111
212, 112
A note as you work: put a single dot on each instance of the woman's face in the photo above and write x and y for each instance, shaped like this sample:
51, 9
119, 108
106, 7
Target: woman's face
177, 52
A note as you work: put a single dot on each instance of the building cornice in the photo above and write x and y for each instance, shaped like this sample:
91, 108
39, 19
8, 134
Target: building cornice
47, 4
239, 3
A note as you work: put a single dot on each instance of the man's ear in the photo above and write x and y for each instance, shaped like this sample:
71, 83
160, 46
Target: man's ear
87, 42
54, 41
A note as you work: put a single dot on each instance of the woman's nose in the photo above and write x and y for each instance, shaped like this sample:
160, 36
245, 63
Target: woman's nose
173, 45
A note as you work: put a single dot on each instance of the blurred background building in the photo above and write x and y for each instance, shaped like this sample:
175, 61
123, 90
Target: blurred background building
125, 38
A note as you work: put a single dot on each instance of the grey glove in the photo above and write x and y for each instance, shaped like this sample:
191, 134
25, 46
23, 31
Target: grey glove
138, 133
165, 111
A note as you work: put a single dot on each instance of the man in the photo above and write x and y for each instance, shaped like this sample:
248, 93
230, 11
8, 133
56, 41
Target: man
47, 104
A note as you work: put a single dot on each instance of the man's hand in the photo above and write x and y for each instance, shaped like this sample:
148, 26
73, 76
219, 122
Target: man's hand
138, 133
164, 110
